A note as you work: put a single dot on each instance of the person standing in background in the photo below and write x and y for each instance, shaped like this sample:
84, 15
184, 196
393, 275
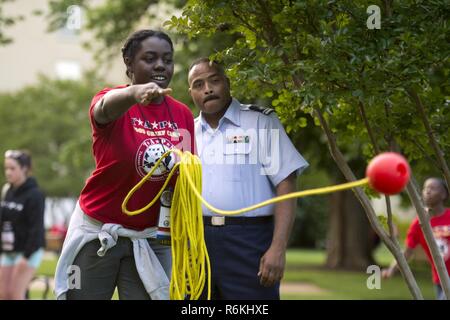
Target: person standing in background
22, 226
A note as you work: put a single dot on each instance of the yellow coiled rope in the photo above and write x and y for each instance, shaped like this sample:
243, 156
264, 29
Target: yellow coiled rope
190, 260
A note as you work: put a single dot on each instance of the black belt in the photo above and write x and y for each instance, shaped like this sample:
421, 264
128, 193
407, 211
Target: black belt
219, 221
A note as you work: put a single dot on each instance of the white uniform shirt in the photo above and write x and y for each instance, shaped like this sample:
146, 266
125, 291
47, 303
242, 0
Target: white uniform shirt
244, 158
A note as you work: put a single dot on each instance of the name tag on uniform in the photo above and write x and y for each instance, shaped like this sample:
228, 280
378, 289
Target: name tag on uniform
237, 144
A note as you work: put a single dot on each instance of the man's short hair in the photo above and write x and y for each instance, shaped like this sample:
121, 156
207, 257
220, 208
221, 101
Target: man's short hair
212, 63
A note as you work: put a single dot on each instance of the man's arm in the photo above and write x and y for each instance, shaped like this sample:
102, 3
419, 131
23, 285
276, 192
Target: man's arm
271, 268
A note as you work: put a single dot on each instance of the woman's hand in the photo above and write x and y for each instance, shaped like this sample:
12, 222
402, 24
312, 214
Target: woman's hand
145, 93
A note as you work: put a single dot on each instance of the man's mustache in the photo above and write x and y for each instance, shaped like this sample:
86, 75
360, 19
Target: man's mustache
209, 98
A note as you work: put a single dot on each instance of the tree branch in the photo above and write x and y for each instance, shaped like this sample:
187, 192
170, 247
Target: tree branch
431, 137
362, 112
388, 8
243, 21
422, 149
273, 40
377, 150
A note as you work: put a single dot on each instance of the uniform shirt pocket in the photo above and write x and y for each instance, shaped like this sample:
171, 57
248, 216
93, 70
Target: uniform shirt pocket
235, 157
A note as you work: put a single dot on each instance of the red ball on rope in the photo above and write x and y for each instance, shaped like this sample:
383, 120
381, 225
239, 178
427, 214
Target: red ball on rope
388, 173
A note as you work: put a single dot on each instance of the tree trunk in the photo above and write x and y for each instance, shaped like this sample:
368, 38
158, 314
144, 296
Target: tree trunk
350, 239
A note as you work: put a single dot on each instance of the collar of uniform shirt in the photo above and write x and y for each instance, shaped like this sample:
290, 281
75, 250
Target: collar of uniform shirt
232, 115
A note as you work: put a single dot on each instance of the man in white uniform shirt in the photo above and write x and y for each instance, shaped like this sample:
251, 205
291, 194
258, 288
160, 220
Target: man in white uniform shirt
246, 158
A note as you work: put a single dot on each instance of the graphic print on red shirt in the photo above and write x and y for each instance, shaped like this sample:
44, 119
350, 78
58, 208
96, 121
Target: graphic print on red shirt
125, 150
441, 232
149, 152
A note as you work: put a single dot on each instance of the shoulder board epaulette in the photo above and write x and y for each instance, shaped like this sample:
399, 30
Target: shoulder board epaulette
265, 111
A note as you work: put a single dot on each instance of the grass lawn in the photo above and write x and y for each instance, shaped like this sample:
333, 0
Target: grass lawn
47, 268
306, 268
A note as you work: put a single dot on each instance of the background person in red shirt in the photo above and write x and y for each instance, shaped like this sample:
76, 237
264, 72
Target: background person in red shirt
132, 126
434, 194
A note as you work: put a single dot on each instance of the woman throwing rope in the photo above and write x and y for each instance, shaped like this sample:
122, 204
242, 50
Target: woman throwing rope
132, 126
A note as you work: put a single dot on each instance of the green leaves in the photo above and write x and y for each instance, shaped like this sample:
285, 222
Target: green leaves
7, 21
51, 120
306, 54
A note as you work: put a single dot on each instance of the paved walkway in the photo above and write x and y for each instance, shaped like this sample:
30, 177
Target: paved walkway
301, 287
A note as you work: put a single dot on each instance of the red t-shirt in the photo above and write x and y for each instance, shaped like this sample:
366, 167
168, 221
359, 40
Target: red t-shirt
441, 231
125, 150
